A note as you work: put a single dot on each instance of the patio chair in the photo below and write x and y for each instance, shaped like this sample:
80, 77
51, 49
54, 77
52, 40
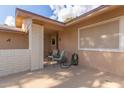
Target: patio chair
61, 58
55, 54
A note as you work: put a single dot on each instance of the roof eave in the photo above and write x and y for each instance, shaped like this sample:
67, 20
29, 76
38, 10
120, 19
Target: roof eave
91, 13
94, 12
42, 18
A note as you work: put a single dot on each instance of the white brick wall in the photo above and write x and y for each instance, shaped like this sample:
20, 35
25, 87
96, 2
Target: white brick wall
13, 61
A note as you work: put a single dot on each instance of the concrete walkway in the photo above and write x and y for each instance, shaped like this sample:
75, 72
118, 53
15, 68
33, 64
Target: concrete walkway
55, 77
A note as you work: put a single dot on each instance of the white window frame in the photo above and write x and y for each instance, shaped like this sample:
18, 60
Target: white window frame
121, 30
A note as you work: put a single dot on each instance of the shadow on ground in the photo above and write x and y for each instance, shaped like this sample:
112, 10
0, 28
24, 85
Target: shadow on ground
55, 77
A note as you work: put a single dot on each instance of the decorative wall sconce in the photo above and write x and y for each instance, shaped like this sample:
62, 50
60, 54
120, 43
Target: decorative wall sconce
8, 40
53, 41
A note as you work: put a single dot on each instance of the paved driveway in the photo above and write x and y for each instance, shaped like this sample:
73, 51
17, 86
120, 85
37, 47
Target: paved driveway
54, 77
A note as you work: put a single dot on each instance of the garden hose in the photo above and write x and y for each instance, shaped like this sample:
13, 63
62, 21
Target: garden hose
74, 61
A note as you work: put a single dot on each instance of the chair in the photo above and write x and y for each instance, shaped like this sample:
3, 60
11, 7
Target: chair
55, 53
61, 58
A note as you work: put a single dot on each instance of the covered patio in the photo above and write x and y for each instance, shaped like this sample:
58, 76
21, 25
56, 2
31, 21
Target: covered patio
55, 77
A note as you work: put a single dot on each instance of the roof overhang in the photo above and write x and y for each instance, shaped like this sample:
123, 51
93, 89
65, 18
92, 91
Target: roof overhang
97, 11
22, 14
11, 29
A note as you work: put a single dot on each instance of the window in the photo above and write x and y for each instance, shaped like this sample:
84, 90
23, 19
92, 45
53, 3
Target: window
102, 36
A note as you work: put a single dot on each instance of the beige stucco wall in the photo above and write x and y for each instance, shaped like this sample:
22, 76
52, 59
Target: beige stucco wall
18, 40
68, 41
112, 62
47, 44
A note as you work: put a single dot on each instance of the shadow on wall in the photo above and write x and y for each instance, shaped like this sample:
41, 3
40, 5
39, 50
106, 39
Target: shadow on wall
104, 61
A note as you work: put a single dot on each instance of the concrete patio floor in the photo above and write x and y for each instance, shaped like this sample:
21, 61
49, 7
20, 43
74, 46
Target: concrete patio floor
55, 77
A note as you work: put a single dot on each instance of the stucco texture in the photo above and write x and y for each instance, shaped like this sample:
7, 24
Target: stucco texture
112, 62
10, 40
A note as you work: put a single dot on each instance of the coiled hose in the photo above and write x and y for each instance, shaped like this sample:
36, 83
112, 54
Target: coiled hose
66, 64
